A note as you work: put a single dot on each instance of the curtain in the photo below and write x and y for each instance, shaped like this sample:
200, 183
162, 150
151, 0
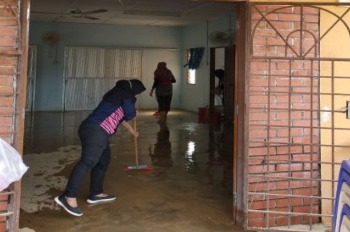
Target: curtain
91, 71
196, 55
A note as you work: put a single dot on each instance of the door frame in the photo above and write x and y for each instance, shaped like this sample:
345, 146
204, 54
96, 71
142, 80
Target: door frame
31, 82
229, 127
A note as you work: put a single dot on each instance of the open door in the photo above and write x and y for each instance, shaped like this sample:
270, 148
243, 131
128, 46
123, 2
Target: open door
229, 81
224, 58
229, 125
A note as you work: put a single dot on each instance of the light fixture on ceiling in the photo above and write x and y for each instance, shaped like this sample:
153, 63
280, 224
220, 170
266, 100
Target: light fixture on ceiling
152, 13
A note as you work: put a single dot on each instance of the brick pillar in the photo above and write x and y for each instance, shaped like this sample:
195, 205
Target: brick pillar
283, 104
13, 65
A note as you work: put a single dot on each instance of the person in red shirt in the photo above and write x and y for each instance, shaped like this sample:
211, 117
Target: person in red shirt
163, 85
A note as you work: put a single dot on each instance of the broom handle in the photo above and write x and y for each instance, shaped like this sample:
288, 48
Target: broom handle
136, 147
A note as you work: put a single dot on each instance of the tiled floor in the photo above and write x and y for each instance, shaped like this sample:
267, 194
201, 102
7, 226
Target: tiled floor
189, 188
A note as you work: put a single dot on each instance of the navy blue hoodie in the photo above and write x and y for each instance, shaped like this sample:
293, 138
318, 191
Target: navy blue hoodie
117, 105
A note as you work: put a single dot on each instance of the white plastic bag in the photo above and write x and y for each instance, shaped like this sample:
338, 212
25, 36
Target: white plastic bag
12, 167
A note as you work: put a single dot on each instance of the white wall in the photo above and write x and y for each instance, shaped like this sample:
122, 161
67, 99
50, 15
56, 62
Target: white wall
167, 44
49, 80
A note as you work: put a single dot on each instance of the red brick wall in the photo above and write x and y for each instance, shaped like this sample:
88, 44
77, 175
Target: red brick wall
9, 57
283, 104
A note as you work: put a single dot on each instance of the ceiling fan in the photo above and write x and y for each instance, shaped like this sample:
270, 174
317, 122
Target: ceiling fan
77, 13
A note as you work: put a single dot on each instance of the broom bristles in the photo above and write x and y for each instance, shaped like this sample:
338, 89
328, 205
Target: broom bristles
139, 167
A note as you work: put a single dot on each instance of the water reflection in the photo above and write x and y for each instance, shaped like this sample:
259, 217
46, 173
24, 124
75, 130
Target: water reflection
226, 155
181, 143
182, 147
220, 152
189, 158
48, 131
161, 155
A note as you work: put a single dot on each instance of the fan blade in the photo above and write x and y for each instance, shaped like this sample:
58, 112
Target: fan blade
76, 11
91, 17
78, 16
42, 12
94, 11
85, 17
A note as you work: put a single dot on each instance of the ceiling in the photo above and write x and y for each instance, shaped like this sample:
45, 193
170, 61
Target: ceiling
129, 12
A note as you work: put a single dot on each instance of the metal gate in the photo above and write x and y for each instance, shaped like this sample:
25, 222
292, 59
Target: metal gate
299, 127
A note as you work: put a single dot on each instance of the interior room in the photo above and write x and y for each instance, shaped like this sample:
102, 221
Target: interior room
78, 50
54, 30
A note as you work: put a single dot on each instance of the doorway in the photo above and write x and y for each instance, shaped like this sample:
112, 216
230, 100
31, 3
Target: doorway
222, 102
222, 81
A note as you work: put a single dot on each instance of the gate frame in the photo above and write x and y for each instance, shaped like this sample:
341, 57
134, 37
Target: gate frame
249, 59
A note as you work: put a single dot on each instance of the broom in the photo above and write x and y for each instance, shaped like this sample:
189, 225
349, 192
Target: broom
137, 166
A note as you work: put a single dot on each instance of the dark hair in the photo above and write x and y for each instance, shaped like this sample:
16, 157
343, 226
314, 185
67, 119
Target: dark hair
161, 64
219, 73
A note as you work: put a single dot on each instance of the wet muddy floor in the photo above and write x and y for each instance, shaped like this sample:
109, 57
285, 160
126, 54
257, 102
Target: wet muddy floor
189, 188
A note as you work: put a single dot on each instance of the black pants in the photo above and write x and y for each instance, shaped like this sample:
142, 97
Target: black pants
164, 102
95, 157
